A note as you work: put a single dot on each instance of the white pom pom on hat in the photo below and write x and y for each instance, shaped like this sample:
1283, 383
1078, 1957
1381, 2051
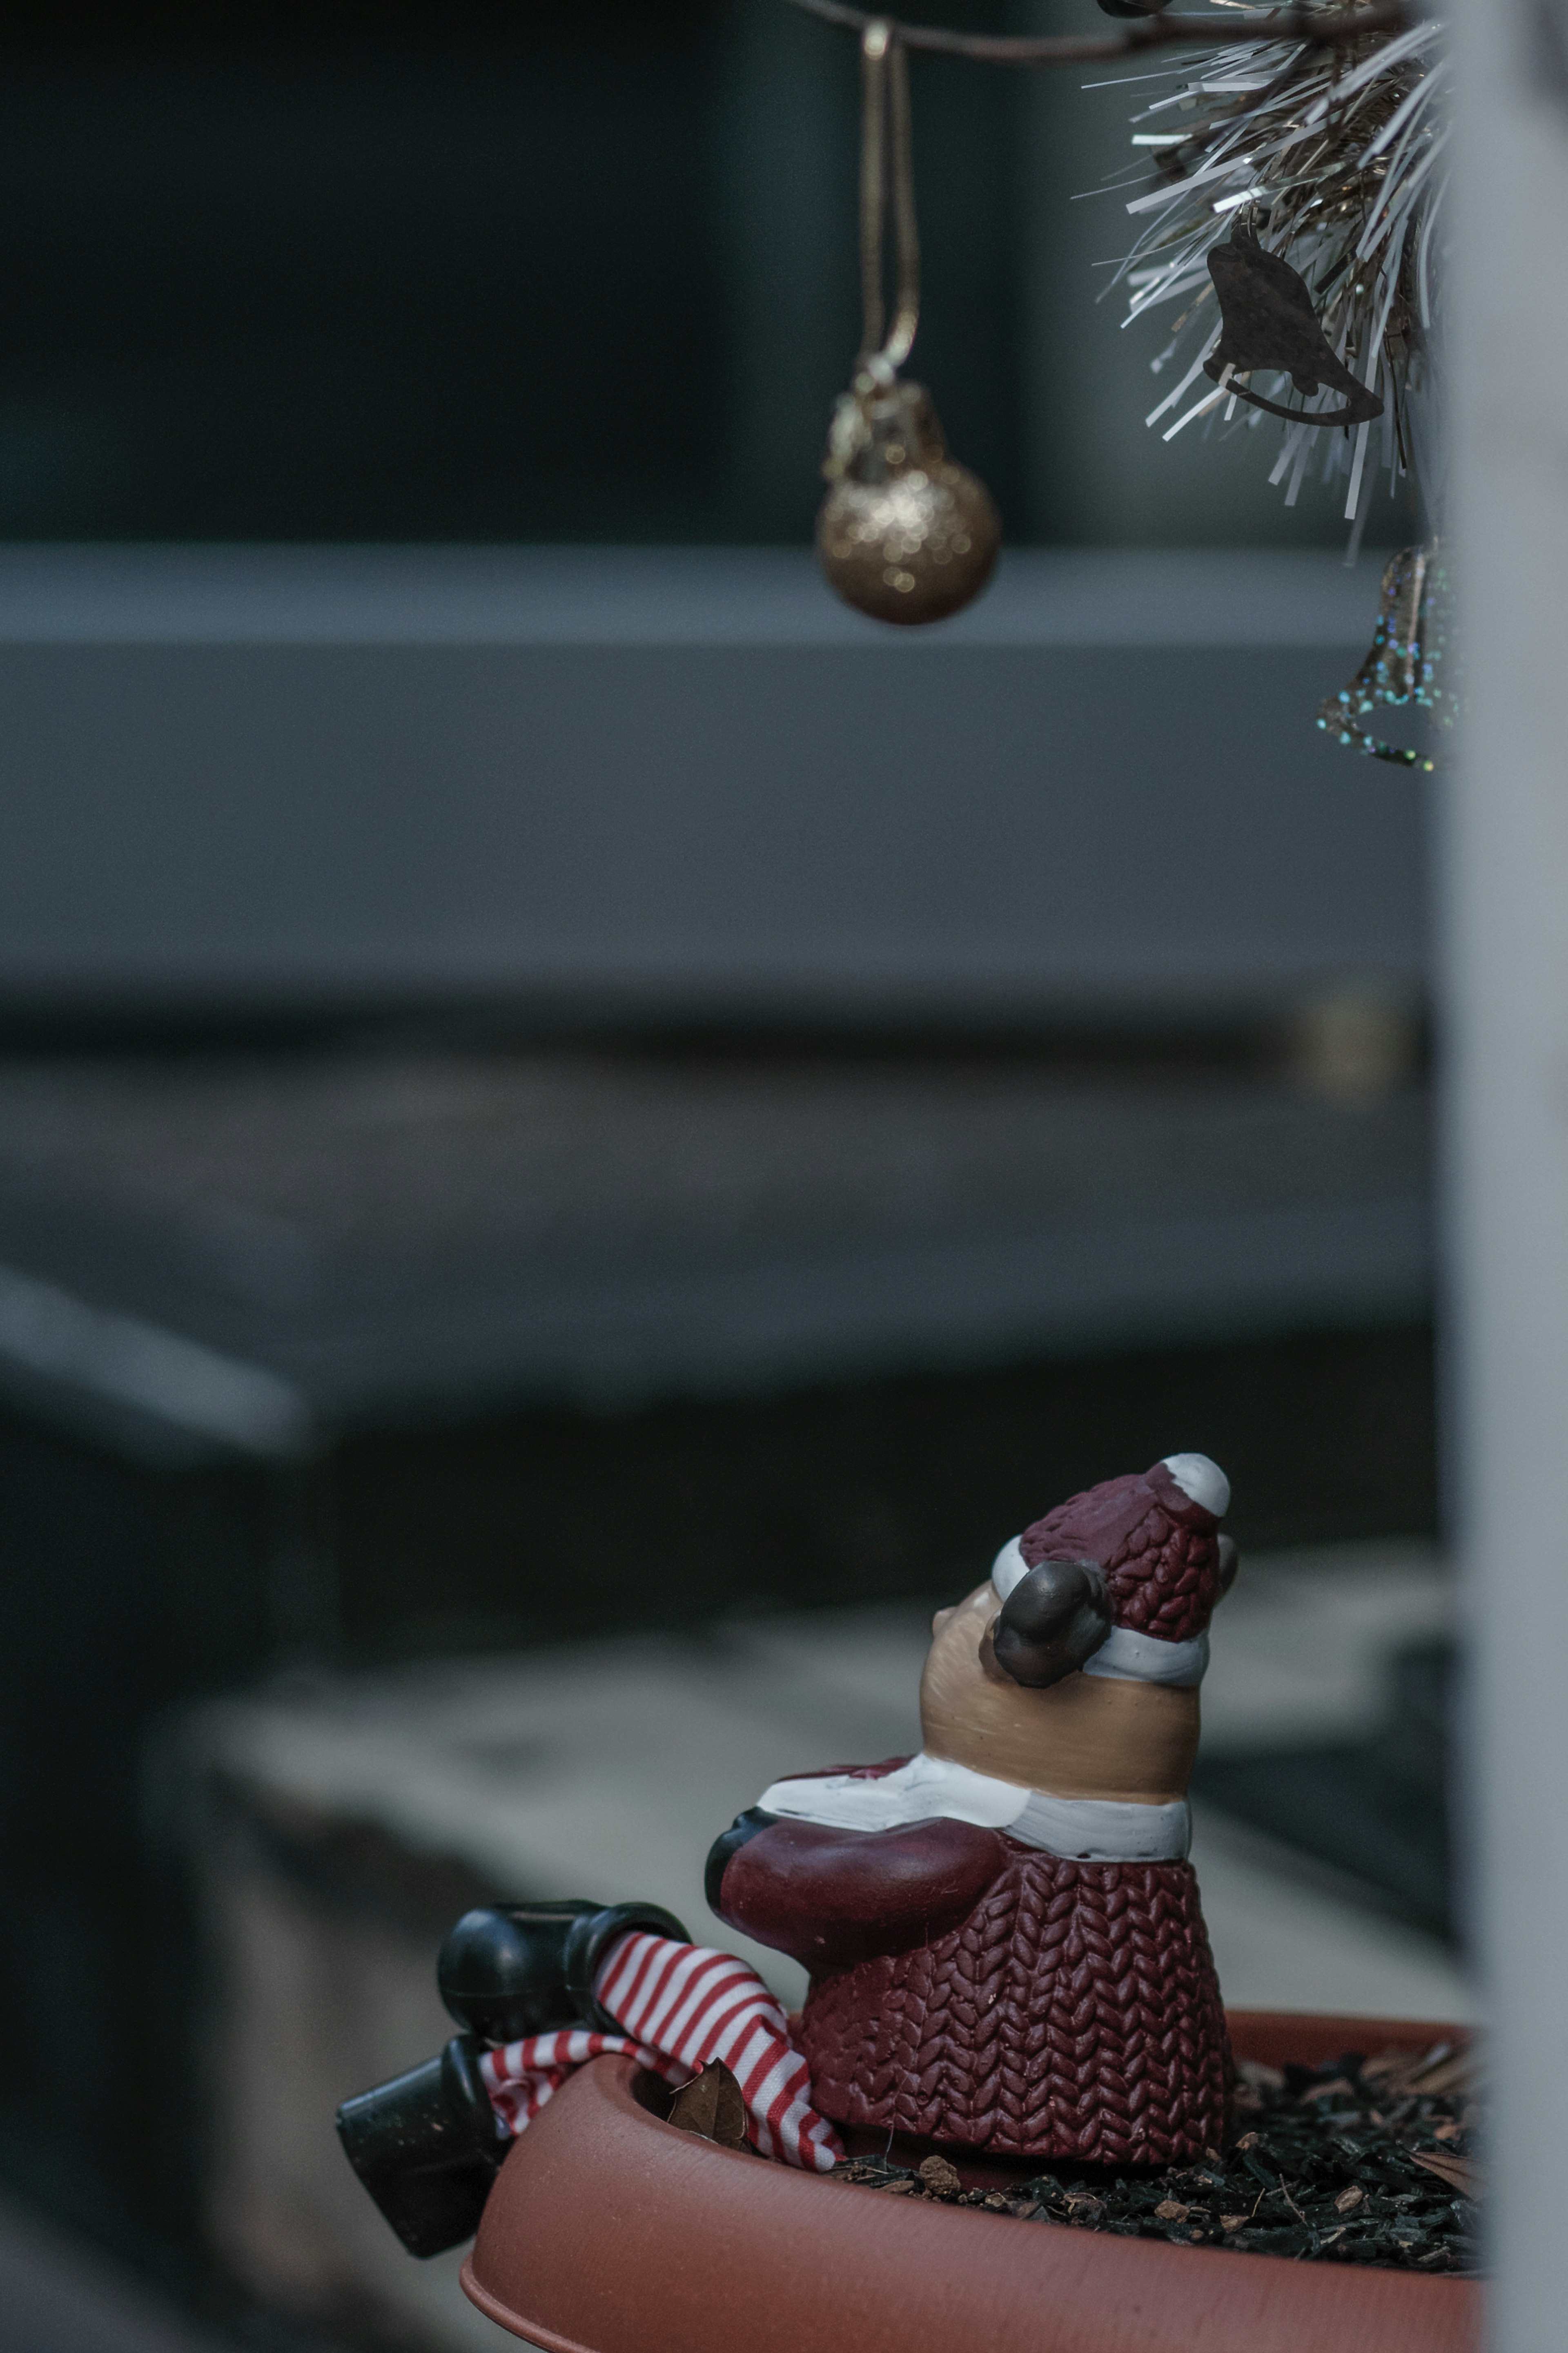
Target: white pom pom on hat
1200, 1479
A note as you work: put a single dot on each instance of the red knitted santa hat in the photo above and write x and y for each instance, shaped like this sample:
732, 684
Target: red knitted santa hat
1154, 1534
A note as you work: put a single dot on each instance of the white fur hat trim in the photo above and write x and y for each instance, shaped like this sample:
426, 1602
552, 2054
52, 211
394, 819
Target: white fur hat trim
1201, 1480
1127, 1656
1009, 1568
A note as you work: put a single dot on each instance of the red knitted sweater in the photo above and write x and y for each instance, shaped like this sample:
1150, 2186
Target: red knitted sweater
1030, 2006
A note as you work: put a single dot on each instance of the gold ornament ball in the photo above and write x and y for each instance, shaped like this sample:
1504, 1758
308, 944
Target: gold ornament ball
905, 534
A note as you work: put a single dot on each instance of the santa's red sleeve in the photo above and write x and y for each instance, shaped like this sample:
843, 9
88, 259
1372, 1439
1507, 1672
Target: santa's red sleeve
831, 1897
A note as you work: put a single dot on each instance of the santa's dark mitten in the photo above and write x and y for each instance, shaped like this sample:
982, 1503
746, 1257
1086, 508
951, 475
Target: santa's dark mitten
1054, 1618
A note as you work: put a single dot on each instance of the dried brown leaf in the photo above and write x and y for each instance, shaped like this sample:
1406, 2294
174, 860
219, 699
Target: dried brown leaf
1440, 2079
711, 2106
1393, 2066
1457, 2171
1434, 2073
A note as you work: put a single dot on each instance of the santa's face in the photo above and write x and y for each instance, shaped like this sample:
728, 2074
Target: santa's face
1087, 1736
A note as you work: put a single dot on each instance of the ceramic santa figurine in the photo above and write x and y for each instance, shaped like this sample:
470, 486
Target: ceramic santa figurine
1006, 1952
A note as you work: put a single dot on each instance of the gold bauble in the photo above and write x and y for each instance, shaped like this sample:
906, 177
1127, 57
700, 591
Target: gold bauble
904, 534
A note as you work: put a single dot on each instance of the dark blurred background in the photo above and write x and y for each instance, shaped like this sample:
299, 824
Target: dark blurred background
488, 273
554, 1087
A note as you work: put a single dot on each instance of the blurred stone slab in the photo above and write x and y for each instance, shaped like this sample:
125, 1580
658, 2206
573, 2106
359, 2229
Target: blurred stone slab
256, 1248
1302, 1647
338, 1827
1333, 1722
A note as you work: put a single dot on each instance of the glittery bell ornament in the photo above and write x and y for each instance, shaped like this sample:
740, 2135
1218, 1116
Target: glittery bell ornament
905, 533
1414, 659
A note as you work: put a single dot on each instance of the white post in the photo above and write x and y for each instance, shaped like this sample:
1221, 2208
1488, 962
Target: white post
1505, 930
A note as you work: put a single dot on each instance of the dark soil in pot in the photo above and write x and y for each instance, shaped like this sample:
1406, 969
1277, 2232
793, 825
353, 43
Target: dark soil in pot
1358, 2159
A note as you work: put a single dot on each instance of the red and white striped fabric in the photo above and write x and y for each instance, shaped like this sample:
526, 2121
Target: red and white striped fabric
681, 2006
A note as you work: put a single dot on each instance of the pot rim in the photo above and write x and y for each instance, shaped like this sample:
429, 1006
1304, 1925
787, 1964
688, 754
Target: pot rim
605, 2223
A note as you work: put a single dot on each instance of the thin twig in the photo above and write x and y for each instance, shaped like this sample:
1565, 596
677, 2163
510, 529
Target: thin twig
1321, 26
1291, 2204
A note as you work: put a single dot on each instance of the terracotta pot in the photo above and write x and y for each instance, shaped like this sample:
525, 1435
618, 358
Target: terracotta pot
610, 2231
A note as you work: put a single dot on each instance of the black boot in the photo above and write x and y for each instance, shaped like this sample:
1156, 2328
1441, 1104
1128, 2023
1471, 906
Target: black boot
427, 2145
513, 1969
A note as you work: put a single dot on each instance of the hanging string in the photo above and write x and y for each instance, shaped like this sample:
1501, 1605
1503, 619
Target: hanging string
886, 174
905, 534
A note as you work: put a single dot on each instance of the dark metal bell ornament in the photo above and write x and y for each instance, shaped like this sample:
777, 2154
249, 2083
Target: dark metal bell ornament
1268, 322
905, 534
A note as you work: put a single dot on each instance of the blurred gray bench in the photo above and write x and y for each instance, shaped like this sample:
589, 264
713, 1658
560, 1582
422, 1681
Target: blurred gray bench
664, 782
